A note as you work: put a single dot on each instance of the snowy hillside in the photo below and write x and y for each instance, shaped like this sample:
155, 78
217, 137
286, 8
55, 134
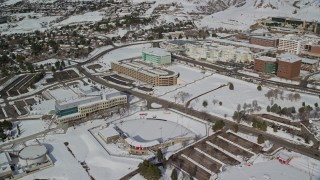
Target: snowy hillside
244, 14
240, 14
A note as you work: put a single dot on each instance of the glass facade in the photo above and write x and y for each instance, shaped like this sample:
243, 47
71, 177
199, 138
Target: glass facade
67, 111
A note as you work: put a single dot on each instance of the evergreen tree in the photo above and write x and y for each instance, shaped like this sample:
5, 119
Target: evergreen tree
160, 155
174, 174
260, 139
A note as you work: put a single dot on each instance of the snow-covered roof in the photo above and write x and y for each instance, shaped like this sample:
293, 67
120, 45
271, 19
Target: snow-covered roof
264, 37
266, 58
135, 143
309, 61
157, 52
288, 58
109, 131
236, 43
33, 152
76, 102
146, 68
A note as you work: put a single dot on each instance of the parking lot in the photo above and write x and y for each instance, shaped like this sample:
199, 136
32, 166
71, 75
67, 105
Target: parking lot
115, 78
243, 142
207, 157
30, 101
11, 111
63, 75
2, 116
20, 106
12, 85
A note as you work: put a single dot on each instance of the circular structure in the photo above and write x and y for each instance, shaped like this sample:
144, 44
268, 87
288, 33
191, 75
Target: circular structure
151, 132
33, 155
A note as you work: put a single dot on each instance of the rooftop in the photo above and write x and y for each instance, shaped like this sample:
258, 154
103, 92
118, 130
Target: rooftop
243, 44
288, 58
109, 131
135, 143
266, 58
146, 68
157, 51
32, 152
264, 37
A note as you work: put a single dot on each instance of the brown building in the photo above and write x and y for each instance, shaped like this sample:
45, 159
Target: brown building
146, 72
285, 65
264, 41
288, 66
315, 49
265, 64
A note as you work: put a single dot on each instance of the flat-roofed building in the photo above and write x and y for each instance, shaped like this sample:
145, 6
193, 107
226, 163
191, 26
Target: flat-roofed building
264, 41
146, 72
156, 56
288, 66
78, 109
265, 64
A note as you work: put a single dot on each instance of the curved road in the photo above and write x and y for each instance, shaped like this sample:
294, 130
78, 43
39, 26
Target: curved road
311, 152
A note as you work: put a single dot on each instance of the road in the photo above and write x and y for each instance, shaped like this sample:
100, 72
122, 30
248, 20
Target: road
311, 152
33, 136
221, 69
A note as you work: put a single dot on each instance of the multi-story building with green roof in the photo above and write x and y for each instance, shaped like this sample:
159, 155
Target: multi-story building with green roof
156, 56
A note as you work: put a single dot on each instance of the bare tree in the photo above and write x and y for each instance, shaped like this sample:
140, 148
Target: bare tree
215, 101
238, 107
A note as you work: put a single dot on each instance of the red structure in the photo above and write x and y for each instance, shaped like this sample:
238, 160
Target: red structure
264, 41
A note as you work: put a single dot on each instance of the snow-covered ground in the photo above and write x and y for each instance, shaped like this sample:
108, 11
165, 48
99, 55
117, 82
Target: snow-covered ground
29, 127
85, 148
28, 24
264, 170
244, 92
242, 17
86, 17
123, 53
52, 61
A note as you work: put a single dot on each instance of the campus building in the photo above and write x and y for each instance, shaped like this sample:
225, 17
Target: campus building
291, 44
265, 64
156, 56
76, 109
214, 52
288, 66
264, 41
284, 66
145, 72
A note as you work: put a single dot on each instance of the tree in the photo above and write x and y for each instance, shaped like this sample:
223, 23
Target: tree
235, 128
268, 109
231, 87
303, 104
63, 64
149, 171
260, 139
220, 103
259, 88
53, 69
214, 101
218, 125
174, 174
160, 155
315, 105
180, 36
205, 103
275, 128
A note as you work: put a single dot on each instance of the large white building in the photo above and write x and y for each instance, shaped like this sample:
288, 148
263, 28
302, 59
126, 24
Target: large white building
73, 110
213, 52
297, 44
